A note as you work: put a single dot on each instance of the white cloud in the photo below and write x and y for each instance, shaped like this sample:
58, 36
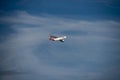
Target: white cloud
32, 32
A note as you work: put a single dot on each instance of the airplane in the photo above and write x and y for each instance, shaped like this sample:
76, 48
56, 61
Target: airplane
54, 38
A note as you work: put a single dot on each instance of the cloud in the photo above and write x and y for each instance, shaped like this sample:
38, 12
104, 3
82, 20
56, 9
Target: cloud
29, 50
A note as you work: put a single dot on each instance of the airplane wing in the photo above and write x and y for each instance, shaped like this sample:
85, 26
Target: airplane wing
61, 40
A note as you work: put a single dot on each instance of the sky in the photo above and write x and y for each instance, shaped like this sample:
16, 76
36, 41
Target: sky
90, 51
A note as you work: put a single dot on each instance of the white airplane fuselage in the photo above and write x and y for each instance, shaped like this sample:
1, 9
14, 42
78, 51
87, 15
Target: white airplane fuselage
60, 38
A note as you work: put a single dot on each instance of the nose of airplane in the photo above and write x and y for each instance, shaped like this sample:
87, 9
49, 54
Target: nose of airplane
65, 36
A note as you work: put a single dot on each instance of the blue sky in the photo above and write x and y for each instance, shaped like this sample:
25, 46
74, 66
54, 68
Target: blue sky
82, 9
90, 52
